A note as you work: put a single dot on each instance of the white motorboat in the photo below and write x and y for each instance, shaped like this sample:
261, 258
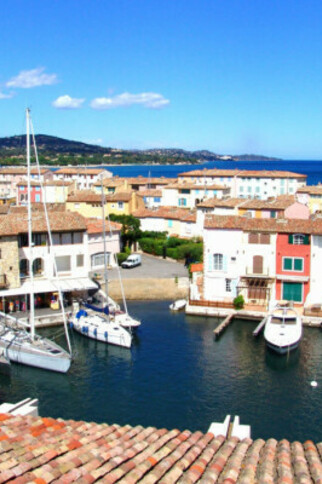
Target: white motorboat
100, 328
178, 305
18, 340
283, 329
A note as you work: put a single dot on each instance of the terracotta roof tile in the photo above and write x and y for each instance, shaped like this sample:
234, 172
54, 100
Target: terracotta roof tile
95, 226
242, 173
172, 213
311, 189
86, 196
43, 450
232, 222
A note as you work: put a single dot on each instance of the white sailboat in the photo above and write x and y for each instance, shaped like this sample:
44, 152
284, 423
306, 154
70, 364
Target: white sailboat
18, 340
102, 327
283, 329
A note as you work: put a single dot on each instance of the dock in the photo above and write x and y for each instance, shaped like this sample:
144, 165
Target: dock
259, 328
223, 325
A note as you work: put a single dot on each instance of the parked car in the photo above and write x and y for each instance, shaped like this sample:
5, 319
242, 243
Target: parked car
132, 261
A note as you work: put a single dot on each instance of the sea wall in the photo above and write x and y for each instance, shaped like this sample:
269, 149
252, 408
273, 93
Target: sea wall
151, 288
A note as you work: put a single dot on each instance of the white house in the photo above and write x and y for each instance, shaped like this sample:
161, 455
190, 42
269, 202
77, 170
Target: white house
175, 221
186, 194
83, 177
95, 243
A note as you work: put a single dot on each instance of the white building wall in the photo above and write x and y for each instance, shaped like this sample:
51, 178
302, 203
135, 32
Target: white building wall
315, 294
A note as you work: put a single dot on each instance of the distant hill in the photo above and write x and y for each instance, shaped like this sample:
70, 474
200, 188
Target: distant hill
59, 151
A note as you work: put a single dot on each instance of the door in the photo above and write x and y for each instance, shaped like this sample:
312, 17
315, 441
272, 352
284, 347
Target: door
257, 264
292, 291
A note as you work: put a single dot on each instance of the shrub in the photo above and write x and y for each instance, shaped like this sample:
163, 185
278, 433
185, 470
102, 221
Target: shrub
121, 257
239, 302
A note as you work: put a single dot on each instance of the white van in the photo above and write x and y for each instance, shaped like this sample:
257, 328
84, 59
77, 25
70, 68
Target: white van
132, 261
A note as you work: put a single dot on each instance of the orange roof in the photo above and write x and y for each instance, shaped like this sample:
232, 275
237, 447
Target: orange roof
173, 213
242, 173
95, 226
40, 450
84, 196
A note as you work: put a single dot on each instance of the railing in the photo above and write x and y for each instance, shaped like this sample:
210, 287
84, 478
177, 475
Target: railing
3, 281
250, 272
211, 304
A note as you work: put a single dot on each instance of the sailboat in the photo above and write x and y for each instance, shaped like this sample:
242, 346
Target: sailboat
102, 327
18, 339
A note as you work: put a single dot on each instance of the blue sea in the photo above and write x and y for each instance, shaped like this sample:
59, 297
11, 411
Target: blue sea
313, 169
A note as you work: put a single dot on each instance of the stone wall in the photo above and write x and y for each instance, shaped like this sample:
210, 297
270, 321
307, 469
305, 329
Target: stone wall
9, 261
145, 289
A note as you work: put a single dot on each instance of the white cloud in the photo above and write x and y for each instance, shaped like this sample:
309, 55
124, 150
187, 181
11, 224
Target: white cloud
67, 102
32, 78
6, 96
150, 100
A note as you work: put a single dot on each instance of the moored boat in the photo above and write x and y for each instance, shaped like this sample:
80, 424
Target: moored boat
178, 305
283, 329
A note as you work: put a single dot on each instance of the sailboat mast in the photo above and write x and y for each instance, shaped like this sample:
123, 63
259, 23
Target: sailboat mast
31, 275
104, 241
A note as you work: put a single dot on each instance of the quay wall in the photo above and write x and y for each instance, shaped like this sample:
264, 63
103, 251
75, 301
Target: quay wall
150, 288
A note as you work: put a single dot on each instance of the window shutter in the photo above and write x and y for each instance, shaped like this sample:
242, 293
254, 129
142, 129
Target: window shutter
225, 263
298, 264
287, 264
306, 239
290, 239
210, 262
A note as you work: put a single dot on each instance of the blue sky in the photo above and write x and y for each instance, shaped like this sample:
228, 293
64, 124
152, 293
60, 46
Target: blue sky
231, 76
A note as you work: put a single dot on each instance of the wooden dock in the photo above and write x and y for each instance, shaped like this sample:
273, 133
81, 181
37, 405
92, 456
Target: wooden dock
259, 328
223, 325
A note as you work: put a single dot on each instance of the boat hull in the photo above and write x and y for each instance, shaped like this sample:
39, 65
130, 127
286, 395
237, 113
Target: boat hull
41, 353
282, 350
283, 330
96, 328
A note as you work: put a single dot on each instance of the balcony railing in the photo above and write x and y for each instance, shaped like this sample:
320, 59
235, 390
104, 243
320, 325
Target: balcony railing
263, 273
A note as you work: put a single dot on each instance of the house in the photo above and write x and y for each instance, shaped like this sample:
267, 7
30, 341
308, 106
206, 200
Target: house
11, 176
152, 198
175, 221
124, 203
248, 183
110, 185
65, 263
265, 260
311, 195
87, 203
96, 246
186, 194
84, 178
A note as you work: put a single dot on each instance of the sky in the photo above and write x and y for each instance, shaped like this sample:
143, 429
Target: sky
230, 76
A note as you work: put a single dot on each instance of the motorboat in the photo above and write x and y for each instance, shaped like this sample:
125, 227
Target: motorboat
178, 305
101, 328
18, 340
283, 329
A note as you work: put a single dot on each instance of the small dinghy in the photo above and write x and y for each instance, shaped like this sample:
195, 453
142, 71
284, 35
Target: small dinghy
178, 305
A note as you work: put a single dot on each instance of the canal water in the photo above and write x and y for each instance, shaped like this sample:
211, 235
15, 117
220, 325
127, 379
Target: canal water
177, 376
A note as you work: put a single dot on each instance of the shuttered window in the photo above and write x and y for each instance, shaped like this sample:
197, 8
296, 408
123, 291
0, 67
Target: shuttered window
292, 291
264, 239
253, 238
293, 264
218, 262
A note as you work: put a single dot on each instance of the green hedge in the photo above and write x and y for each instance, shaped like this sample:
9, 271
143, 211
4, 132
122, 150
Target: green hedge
176, 248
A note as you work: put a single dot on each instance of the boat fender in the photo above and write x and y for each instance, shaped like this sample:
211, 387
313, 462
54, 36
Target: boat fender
81, 313
84, 329
71, 324
105, 334
95, 331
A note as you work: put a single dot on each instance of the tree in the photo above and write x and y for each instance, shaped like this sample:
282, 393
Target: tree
130, 231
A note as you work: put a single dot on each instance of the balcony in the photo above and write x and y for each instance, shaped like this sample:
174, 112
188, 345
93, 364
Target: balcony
3, 281
260, 272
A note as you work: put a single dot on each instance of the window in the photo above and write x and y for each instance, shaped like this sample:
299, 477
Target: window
293, 264
120, 205
157, 199
292, 291
264, 238
273, 214
299, 239
170, 223
253, 238
80, 260
63, 263
182, 202
218, 262
228, 285
185, 190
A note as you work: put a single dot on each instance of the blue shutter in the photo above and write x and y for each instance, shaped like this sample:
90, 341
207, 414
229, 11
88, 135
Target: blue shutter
210, 262
234, 287
225, 263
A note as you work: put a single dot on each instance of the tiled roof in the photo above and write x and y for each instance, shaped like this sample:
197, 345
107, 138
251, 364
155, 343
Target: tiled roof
140, 180
95, 226
279, 203
4, 209
151, 193
120, 196
221, 202
194, 186
17, 223
84, 196
21, 170
79, 171
242, 173
114, 181
290, 226
43, 450
172, 213
311, 189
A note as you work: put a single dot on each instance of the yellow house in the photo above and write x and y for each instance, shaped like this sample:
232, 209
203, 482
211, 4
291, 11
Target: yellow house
311, 196
89, 204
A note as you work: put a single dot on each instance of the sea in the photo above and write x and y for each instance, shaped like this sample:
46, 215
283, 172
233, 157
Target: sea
176, 375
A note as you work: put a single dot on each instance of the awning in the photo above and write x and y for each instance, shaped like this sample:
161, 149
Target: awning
48, 285
289, 278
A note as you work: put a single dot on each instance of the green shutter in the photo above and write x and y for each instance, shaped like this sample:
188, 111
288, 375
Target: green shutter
292, 291
298, 265
290, 239
287, 264
306, 240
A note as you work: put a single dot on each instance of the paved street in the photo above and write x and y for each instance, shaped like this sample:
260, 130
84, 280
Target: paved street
151, 267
